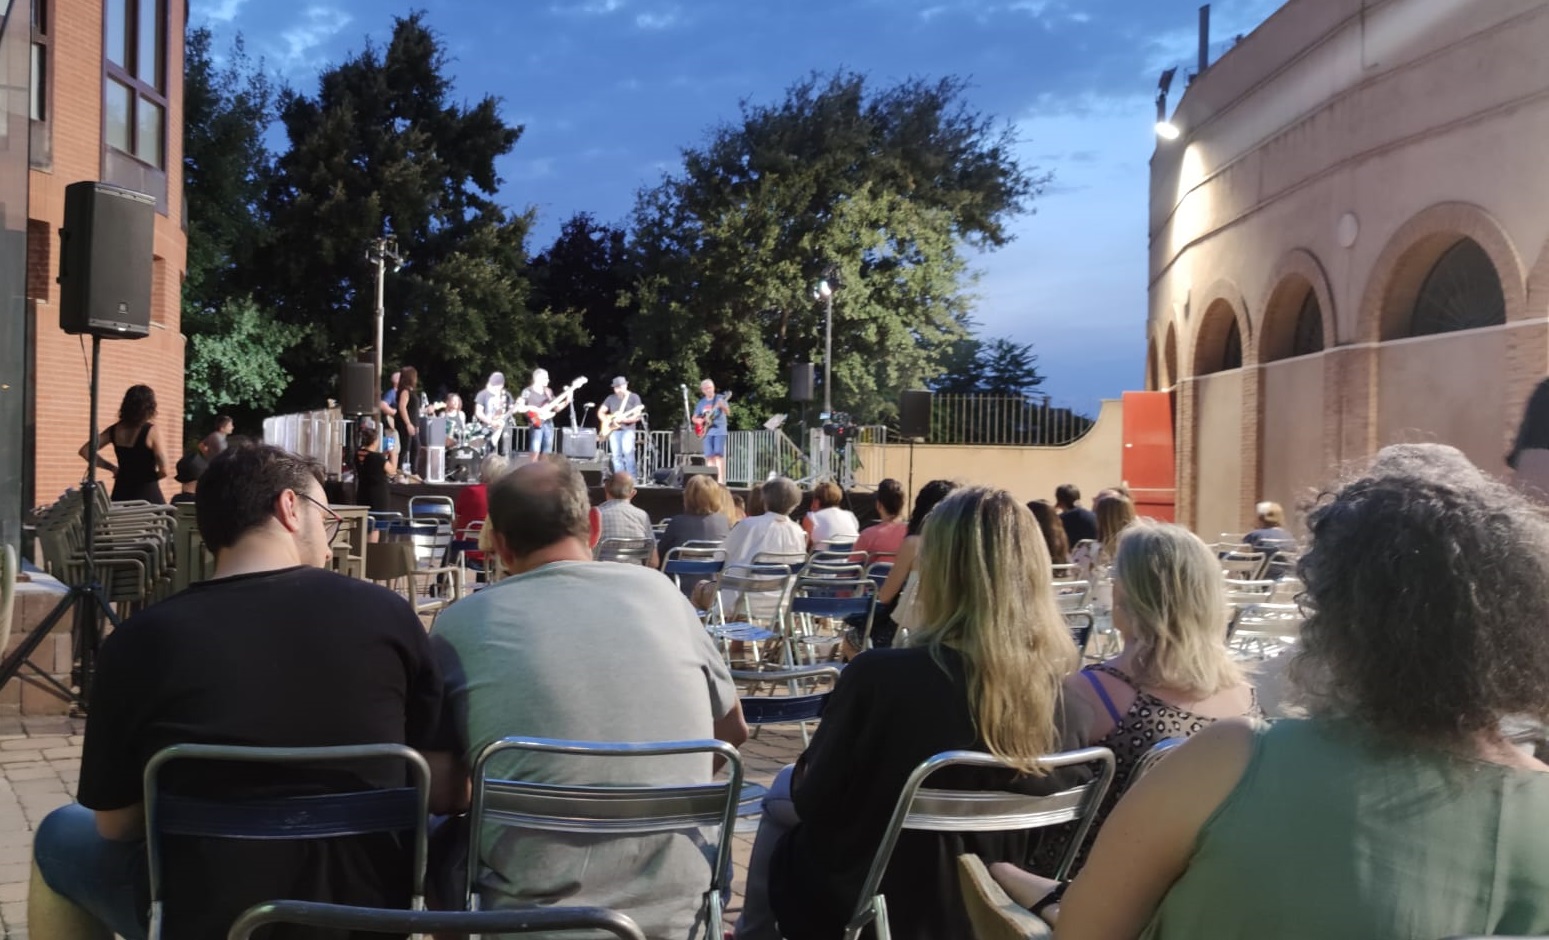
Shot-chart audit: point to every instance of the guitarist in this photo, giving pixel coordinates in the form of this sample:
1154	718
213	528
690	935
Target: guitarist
619	414
491	408
536	397
712	411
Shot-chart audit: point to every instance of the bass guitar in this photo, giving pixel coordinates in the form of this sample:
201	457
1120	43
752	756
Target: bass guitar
705	418
547	412
608	423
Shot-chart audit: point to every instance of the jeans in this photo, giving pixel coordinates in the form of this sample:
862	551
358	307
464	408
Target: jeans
621	451
540	440
107	879
779	817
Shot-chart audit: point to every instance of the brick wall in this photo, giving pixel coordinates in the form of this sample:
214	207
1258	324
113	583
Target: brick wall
60	374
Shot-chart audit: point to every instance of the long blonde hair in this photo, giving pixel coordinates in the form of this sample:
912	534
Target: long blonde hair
986	591
1174	599
1115	512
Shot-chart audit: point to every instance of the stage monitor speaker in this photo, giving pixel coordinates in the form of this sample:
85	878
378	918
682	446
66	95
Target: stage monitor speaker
914	414
105	261
432	432
689	442
580	444
801	381
690	470
357	388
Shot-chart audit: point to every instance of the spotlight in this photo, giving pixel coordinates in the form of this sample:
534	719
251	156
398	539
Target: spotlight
1165	128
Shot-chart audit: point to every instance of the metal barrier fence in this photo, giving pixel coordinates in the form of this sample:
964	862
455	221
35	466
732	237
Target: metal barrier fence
1003	419
318	435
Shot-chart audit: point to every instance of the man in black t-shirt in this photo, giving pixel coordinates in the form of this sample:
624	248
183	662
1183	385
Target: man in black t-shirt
619	414
272	652
540	436
1080	522
492	409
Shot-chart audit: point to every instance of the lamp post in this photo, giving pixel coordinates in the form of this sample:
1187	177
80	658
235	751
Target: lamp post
825	292
382	250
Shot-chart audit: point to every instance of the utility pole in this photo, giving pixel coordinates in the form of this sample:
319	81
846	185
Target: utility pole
825	291
381	251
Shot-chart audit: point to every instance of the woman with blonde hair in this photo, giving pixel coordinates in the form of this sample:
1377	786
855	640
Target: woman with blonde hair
703	519
1174	676
983	673
1115	513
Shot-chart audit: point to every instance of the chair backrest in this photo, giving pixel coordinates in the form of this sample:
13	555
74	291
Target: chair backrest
626	551
438	507
928	810
1067	572
825	557
832	571
1081	623
613	810
1152	757
372	920
1071	596
299	818
792	560
786	709
693	563
1245	566
878	571
839	598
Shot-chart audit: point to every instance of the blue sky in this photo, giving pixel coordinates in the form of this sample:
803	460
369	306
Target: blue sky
610	90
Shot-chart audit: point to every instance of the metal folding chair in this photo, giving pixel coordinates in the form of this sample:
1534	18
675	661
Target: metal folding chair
770	585
878	571
625	551
1081	623
462	923
622	811
1153	756
690	565
928	810
834	598
298	818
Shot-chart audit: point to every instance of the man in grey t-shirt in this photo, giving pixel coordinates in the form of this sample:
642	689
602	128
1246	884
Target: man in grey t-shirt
581	650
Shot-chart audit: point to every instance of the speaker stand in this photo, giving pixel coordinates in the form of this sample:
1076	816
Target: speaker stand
87	600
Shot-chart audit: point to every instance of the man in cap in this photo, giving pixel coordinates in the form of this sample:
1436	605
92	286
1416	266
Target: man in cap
619	414
491	407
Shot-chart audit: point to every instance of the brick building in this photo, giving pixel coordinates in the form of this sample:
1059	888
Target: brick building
104	103
1350	246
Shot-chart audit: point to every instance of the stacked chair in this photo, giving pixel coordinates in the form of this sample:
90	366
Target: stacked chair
133	547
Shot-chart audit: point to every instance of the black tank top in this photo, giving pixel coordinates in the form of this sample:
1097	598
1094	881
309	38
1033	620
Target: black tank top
136	478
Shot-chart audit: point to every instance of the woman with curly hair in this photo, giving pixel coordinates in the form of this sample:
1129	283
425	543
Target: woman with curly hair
1398	808
137	446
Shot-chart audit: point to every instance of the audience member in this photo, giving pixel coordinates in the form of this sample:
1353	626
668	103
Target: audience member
137	445
373	469
621	518
472	503
1080	523
896	608
886	536
1398	804
1053	531
189	469
738	511
700	520
216	440
1270	534
271	652
983	673
772	533
570	648
1114	515
826	521
755	505
1174	676
1529	456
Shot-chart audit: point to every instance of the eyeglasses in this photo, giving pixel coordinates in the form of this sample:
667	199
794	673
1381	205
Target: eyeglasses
331	520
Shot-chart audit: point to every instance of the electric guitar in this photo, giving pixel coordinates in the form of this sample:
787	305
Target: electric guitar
546	413
703	420
608	423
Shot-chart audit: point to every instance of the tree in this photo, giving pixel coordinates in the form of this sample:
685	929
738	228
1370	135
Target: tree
381	149
1009	368
233	361
877	191
586	274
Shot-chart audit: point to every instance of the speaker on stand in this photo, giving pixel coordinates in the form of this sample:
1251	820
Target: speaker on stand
914	423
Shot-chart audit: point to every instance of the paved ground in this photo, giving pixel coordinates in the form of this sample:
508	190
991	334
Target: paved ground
40	762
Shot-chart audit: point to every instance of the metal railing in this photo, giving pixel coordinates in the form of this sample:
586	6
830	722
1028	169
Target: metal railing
317	435
979	418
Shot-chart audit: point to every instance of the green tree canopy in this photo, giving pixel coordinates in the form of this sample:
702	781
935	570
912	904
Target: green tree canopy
587	274
876	190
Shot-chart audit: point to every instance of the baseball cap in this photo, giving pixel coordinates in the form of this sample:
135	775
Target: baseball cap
619	380
497	379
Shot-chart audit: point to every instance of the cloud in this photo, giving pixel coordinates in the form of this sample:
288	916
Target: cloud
588	8
654	21
298	44
535	169
224	11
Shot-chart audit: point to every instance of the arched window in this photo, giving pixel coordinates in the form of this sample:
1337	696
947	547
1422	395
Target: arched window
1231	356
1308	337
1461	292
1170	356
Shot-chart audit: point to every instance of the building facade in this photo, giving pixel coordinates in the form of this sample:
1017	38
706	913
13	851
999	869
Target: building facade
104	102
1349	246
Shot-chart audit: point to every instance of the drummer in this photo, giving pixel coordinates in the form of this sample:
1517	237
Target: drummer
456	421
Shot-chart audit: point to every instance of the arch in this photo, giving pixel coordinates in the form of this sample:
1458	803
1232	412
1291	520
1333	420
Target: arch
1298	310
1410	256
1223	335
1153	380
1170	357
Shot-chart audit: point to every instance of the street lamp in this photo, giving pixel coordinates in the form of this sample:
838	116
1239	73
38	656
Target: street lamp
381	251
825	292
1165	128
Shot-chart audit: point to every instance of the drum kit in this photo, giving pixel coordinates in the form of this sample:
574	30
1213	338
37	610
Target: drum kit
467	444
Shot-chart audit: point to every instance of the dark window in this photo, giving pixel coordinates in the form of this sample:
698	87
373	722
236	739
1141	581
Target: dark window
1308	338
1231	356
135	85
1462	292
38	110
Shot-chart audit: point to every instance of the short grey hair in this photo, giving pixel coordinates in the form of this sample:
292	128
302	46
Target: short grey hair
620	485
539	504
1427	594
781	495
493	467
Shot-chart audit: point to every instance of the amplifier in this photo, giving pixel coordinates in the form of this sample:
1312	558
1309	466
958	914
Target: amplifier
435	463
580	444
432	432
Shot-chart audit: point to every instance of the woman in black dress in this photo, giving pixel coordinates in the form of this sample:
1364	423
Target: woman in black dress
372	471
409	406
137	446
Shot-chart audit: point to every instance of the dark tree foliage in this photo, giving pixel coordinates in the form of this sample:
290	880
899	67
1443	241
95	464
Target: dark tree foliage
381	148
878	190
587	273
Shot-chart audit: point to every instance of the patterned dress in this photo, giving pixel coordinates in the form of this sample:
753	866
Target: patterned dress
1148	721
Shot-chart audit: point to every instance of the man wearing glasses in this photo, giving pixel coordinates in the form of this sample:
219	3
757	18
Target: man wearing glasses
273	651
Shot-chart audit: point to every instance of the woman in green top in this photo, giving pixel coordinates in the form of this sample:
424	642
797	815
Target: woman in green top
1398	809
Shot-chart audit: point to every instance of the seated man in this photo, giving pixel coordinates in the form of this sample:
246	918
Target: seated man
273	651
773	532
566	647
1270	534
622	519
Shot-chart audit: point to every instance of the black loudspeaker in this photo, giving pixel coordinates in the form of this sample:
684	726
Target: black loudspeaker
801	381
105	261
432	432
580	444
692	470
357	388
914	414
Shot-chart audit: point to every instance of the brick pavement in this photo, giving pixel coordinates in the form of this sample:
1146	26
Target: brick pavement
40	761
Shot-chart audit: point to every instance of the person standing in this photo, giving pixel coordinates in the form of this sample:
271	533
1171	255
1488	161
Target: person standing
712	409
215	441
538	395
1080	523
492	408
136	444
409	407
615	416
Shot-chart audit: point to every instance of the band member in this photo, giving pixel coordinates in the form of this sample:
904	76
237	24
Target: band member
411	403
619	414
456	421
712	408
540	439
491	408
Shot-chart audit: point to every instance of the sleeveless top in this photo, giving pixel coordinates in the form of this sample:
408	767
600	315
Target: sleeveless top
1335	833
136	477
1148	721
